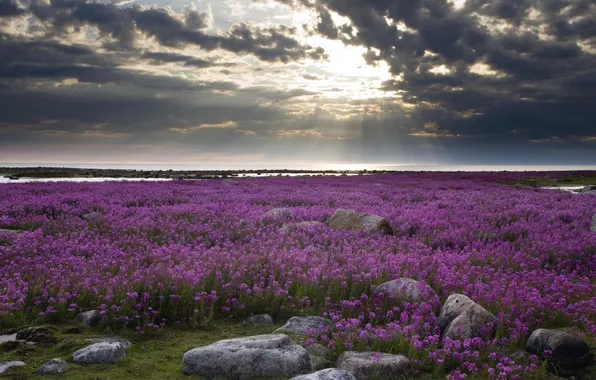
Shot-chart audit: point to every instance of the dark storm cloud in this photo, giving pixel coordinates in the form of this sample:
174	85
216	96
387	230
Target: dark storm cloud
9	8
541	54
171	29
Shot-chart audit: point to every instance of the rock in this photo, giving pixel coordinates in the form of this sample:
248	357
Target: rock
373	365
286	228
89	318
37	334
279	212
259	320
125	343
593	229
92	217
351	220
407	289
8	338
462	318
53	367
327	374
317	349
318	356
247	358
104	352
567	351
16	345
4	366
302	325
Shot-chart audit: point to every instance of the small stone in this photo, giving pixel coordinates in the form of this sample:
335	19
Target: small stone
259	320
327	374
4	366
373	365
89	318
104	352
302	325
410	290
566	350
53	367
37	334
247	358
125	343
462	318
351	220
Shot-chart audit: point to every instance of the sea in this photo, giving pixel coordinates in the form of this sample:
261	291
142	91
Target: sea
273	167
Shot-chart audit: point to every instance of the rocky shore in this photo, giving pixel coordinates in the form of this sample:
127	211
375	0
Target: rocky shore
50	172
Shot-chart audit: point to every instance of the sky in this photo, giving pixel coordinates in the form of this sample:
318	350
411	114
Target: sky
298	81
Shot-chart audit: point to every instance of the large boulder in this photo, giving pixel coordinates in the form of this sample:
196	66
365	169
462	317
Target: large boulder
89	318
104	352
4	366
302	325
373	365
125	343
462	318
566	351
37	334
327	374
247	358
351	220
410	290
259	320
53	367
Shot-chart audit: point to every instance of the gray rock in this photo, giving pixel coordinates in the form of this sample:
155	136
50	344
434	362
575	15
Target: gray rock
92	217
351	220
53	367
37	334
317	349
410	290
302	325
279	212
567	351
4	366
462	318
8	338
593	229
104	352
259	320
125	343
327	374
373	365
247	358
89	318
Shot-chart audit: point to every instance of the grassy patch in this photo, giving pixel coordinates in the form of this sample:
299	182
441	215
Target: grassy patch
563	179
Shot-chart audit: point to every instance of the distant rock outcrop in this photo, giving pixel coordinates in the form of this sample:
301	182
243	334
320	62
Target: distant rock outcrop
248	358
351	220
462	318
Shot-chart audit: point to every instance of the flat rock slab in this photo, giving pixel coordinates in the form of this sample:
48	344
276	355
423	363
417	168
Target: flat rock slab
351	220
5	366
566	350
461	318
410	290
259	320
327	374
259	356
373	365
104	352
53	367
125	343
302	325
89	318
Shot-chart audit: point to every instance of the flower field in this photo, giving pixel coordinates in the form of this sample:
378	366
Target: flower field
154	255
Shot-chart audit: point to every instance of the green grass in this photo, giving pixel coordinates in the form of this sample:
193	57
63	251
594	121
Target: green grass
563	179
